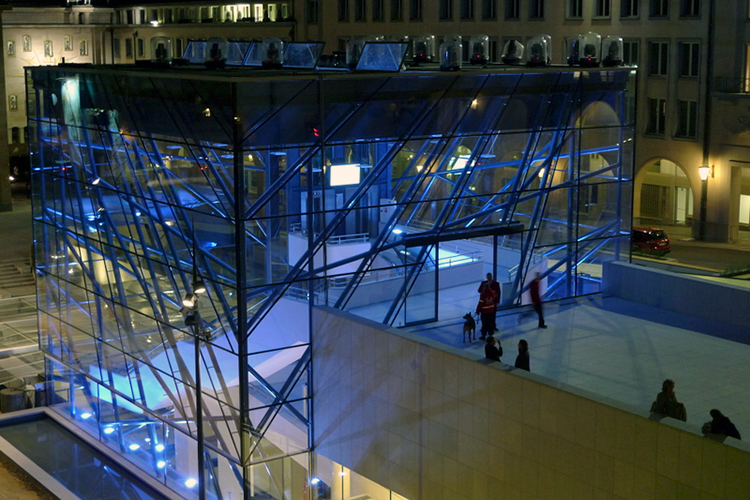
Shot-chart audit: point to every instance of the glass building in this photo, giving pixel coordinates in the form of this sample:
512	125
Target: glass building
189	218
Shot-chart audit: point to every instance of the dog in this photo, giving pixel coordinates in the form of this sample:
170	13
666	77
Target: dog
470	327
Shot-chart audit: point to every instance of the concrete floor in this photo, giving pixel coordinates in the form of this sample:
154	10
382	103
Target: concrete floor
623	351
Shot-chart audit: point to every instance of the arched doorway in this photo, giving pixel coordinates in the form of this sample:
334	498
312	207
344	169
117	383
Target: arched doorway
663	195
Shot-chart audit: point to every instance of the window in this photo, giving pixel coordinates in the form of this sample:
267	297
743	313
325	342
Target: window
116	47
512	9
26	43
15	135
602	8
11	48
397	10
168	19
154	15
81	18
630	50
489	9
141	47
494	54
446	10
657	113
467	9
343	10
312	11
629	8
659	8
537	9
690	8
688	116
130	17
689	59
13	102
360	10
118	17
142	16
378	10
84	47
658	53
575	8
128	48
67	43
179	44
415	10
48	51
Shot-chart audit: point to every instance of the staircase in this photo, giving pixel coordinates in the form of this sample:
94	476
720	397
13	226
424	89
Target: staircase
16	278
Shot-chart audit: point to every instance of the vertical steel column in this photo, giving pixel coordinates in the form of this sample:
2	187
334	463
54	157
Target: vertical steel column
199	395
240	263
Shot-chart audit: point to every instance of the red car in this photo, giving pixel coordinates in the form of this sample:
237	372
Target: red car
649	240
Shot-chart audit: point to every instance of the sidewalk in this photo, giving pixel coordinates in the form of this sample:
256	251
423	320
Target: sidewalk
16	234
684	236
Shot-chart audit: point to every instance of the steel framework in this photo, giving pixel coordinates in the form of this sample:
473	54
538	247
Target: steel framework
283	191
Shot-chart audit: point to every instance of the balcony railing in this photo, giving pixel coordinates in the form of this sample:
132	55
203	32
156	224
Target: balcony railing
732	85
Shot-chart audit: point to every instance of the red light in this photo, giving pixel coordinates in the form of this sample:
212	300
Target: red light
316	133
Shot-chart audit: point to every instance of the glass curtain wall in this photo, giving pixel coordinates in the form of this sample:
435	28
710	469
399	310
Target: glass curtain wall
379	194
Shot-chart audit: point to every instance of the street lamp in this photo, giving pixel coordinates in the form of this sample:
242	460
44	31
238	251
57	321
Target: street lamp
193	320
703	172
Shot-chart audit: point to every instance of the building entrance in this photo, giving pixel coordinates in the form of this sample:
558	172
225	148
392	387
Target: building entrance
663	195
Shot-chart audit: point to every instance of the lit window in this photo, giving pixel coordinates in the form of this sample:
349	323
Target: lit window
84	48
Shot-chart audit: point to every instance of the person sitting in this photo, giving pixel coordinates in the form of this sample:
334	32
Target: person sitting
522	360
666	402
720	425
492	351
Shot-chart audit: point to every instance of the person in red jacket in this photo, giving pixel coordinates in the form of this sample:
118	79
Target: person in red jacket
495	287
486	310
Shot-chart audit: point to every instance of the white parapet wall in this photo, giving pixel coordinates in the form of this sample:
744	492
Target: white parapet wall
717	301
432	422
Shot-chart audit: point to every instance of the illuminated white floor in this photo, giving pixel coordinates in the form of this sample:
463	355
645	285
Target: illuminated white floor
624	351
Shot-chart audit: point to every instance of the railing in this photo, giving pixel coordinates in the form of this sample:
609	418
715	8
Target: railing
398	271
732	85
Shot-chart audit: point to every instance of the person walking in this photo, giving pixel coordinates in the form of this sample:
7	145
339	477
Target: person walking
536	299
495	287
486	311
522	360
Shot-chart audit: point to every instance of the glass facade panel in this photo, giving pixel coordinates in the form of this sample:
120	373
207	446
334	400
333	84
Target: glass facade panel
186	226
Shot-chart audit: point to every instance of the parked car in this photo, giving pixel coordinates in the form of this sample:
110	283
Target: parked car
649	240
